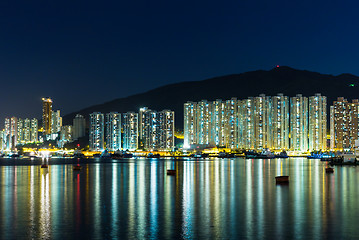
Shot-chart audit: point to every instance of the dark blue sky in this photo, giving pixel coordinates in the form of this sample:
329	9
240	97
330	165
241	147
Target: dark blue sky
82	53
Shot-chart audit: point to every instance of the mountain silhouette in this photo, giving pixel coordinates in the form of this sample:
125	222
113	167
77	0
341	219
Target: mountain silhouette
284	80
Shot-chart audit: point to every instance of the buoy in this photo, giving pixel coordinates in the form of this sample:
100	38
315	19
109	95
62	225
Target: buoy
171	172
329	170
44	166
282	179
77	167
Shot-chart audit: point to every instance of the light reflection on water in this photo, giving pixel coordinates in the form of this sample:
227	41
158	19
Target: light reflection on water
206	199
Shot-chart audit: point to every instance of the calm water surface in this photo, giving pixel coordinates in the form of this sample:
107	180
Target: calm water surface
230	199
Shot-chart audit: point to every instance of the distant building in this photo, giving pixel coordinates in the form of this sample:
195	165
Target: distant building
219	119
113	131
262	122
344	124
46	115
190	124
231	123
299	123
79	126
204	122
246	124
96	131
130	130
26	131
7	134
56	121
20	128
34	130
317	123
166	129
146	128
280	122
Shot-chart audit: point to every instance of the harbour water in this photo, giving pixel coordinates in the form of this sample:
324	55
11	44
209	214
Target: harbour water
211	198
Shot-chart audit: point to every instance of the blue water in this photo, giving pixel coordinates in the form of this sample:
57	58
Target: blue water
215	198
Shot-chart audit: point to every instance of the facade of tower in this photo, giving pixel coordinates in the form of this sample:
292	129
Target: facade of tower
231	123
147	128
317	123
96	131
204	122
246	126
20	130
26	131
79	126
13	133
280	122
262	122
56	121
113	131
34	130
166	129
46	115
219	122
7	134
130	130
343	124
190	124
299	123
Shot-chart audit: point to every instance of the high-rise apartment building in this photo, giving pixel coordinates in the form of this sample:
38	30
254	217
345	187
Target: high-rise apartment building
147	128
246	125
190	124
166	121
280	122
317	123
46	115
344	124
231	123
299	123
113	131
219	120
56	121
13	133
26	131
20	132
262	122
34	130
204	122
130	130
79	127
96	131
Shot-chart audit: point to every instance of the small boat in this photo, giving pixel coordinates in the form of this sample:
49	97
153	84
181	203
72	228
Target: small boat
152	155
282	154
77	168
200	155
171	172
282	179
329	170
44	166
265	154
127	155
226	155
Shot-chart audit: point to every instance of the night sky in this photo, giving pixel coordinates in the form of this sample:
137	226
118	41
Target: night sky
82	53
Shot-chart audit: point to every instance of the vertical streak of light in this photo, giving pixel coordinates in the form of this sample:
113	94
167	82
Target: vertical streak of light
114	201
141	197
249	203
131	199
187	205
97	203
154	201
